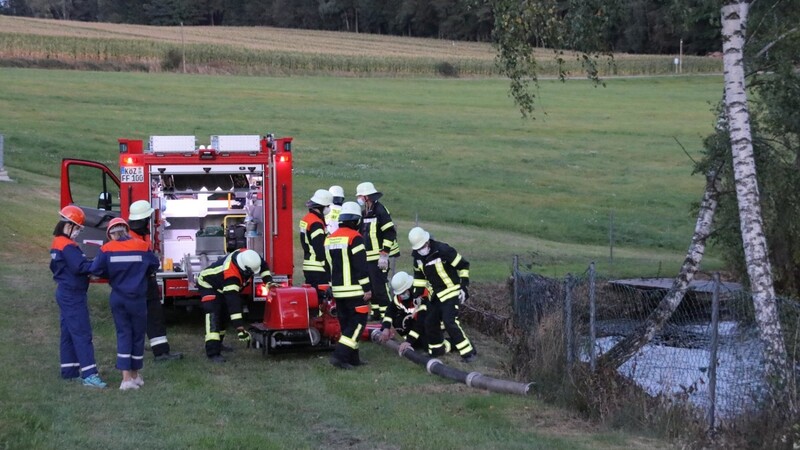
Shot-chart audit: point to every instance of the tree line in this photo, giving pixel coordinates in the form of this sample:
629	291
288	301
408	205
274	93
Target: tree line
636	26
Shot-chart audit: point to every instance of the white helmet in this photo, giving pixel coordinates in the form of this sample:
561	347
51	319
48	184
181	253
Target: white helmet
321	197
366	188
336	191
350	211
140	209
401	282
418	237
249	259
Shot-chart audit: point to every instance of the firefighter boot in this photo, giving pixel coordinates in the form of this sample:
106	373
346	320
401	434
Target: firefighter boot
338	363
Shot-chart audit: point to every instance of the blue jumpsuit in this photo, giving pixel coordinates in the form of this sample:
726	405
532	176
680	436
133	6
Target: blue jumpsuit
127	263
71	273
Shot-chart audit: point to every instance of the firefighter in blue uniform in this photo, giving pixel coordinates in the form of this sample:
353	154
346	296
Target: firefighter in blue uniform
127	263
71	273
139	221
350	284
221	285
447	272
406	314
312	239
379	235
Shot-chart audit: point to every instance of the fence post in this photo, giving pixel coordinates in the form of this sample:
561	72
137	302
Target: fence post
712	364
516	283
568	320
592	333
3	173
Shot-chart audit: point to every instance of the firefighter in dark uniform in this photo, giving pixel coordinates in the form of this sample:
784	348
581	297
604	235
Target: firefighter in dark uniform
71	273
139	221
406	314
447	272
220	289
312	239
350	284
379	235
332	216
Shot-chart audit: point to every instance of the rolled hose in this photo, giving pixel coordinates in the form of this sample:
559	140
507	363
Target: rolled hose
472	379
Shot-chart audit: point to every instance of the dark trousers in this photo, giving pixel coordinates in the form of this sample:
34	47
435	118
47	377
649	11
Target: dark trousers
77	350
156	327
352	314
447	312
130	320
217	319
380	294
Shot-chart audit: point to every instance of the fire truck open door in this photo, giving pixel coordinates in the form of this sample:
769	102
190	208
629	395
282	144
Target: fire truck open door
95	189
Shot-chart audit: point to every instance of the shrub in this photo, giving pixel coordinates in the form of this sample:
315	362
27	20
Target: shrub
446	69
172	60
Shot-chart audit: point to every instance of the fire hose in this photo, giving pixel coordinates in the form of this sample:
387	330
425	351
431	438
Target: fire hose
435	366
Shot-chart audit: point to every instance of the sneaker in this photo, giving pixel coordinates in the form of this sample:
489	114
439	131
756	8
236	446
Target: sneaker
217	359
139	381
169	356
94	381
128	385
336	362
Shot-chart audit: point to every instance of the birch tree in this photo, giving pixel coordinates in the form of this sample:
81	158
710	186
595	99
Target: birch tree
734	25
521	23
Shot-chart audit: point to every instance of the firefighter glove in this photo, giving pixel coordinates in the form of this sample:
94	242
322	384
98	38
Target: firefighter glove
463	296
243	335
383	261
403	347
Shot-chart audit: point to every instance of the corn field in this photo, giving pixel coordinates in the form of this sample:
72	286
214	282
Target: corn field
264	50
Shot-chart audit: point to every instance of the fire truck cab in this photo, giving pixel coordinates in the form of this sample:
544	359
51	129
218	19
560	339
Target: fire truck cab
209	199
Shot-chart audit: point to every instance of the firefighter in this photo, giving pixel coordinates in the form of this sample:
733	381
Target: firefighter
220	289
312	239
350	285
447	272
332	217
406	314
71	273
127	264
379	236
139	222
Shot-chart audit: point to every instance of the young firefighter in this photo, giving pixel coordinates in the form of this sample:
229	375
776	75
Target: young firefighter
127	263
139	221
312	239
442	267
379	235
220	289
350	285
406	314
71	273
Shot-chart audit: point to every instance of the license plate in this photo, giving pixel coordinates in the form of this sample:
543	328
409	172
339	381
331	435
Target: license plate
132	174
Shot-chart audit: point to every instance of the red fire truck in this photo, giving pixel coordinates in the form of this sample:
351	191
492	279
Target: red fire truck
234	192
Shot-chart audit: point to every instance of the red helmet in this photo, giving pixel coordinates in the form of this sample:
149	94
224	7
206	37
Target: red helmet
72	213
118	221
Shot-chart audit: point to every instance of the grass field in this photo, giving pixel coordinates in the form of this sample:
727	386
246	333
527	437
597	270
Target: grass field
452	153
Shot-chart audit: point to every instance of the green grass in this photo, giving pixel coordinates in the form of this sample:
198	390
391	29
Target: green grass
290	401
445	152
454	153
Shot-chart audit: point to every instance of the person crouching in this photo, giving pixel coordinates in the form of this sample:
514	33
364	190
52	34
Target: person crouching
127	263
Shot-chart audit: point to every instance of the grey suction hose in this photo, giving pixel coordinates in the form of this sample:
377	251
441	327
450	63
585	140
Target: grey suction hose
471	379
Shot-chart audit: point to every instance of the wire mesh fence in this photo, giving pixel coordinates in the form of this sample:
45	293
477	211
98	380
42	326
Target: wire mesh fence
707	356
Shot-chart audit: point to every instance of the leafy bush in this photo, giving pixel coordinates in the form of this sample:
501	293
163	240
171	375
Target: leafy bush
446	69
172	60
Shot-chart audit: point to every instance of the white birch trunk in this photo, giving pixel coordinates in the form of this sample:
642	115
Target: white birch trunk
626	348
759	270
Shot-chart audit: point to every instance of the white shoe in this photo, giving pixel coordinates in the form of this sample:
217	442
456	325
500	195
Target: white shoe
126	385
139	381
